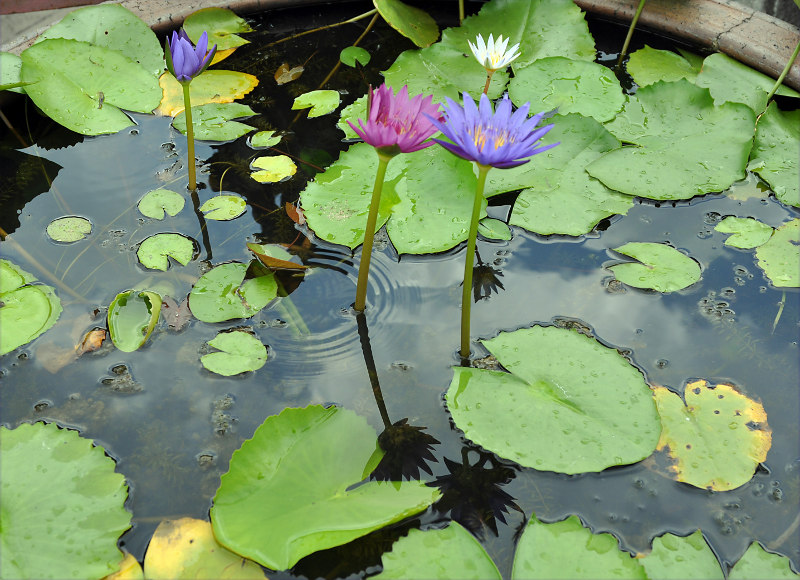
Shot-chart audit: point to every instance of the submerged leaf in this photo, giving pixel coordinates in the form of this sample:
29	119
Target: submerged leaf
239	352
290	490
284	74
274	257
717	437
661	267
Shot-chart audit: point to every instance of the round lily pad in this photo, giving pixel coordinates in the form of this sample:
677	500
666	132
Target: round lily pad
223	294
661	267
240	352
156	203
264	139
273	169
224	207
780	256
69	229
354	54
63	505
155	251
567	404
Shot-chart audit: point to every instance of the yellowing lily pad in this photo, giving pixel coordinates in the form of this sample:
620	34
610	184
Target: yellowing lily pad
273	169
747	232
716	438
321	102
223	207
213	86
239	352
129	569
186	548
155	204
780	256
661	267
69	229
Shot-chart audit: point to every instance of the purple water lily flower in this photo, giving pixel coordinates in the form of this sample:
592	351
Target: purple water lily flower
184	60
499	138
397	123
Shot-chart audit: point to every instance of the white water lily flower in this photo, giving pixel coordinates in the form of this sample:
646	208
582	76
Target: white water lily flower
493	54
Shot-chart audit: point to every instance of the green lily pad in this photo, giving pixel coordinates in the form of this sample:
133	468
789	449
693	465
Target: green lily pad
682	558
26	309
413	23
224	207
649	65
114	27
716	438
426	202
571	86
747	232
355	54
320	102
212	121
493	229
450	553
729	80
155	251
352	112
156	203
10	65
758	563
240	352
273	169
776	153
673	155
223	294
62	505
132	316
780	256
290	490
566	549
83	86
661	267
221	24
264	139
567	404
543	28
558	196
69	229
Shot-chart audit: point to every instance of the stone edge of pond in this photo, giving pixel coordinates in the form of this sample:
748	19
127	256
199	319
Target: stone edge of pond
754	38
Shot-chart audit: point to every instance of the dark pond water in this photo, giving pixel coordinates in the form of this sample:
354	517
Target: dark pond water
172	426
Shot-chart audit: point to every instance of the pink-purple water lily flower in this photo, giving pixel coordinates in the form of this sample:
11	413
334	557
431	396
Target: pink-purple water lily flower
501	138
397	123
184	60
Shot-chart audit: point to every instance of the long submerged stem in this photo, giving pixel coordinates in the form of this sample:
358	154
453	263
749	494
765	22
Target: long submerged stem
630	32
466	294
369	234
785	71
187	103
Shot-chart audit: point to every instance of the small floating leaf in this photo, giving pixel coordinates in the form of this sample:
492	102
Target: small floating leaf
314	456
452	552
779	256
224	207
681	557
155	203
186	548
69	229
264	139
413	23
155	251
354	54
273	169
221	25
284	74
212	121
321	102
661	267
212	86
566	549
223	294
717	437
132	316
567	404
747	232
493	229
240	352
56	483
274	257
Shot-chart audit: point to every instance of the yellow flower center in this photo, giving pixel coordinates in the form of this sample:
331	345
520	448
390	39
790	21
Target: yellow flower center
497	139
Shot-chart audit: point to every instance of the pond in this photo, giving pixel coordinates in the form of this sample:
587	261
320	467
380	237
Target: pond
172	426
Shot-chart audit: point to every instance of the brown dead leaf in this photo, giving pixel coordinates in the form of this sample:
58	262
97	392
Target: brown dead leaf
295	213
272	262
176	315
286	75
92	340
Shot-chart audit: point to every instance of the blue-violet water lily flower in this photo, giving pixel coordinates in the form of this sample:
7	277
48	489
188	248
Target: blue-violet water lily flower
493	54
502	138
184	60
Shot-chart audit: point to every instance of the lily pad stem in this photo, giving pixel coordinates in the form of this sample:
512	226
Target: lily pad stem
630	32
187	103
466	294
489	74
785	71
369	234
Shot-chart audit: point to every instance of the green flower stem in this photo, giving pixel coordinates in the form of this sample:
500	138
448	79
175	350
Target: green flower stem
466	294
187	103
784	72
630	32
369	234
